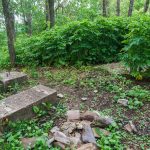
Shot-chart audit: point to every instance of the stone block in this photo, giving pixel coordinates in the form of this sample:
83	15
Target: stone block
10	78
20	106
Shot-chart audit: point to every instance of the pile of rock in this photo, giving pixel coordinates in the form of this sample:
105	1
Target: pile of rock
79	132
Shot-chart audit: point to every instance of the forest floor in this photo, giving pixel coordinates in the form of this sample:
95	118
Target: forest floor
90	88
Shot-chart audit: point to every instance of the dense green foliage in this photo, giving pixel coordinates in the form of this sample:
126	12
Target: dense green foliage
76	43
89	42
137	49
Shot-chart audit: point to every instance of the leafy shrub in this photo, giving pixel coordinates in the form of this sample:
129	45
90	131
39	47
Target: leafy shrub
137	49
4	58
111	141
76	43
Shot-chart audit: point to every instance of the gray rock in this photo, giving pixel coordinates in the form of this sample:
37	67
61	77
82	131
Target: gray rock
68	127
104	121
20	106
79	125
73	115
87	134
123	102
10	78
95	91
50	141
55	129
61	137
75	141
84	98
89	116
130	127
60	95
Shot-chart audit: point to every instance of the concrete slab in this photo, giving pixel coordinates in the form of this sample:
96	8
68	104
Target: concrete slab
20	106
10	78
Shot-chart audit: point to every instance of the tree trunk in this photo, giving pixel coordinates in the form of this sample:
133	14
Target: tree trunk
29	24
146	6
10	30
131	8
104	8
52	12
118	8
29	19
13	25
47	13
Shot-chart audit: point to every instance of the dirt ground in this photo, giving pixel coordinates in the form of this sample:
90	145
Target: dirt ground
99	87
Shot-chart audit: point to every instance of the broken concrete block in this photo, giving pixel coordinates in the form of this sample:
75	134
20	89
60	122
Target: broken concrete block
55	129
90	116
104	121
130	127
87	134
10	78
61	137
68	127
73	115
20	106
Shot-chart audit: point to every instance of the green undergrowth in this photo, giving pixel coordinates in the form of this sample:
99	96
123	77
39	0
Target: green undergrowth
85	79
78	43
11	139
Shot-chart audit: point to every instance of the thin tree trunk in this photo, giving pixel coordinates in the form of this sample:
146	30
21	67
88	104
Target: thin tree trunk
10	30
13	22
131	8
118	8
146	6
104	8
29	19
29	24
47	13
52	13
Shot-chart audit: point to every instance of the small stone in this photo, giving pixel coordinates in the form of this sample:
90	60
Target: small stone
75	141
78	135
60	95
68	127
50	141
73	115
61	137
28	142
123	102
90	116
84	98
55	129
87	134
59	145
89	146
95	91
133	126
79	125
104	121
130	127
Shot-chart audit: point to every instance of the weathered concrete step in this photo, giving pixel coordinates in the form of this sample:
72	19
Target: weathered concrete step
9	78
20	106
